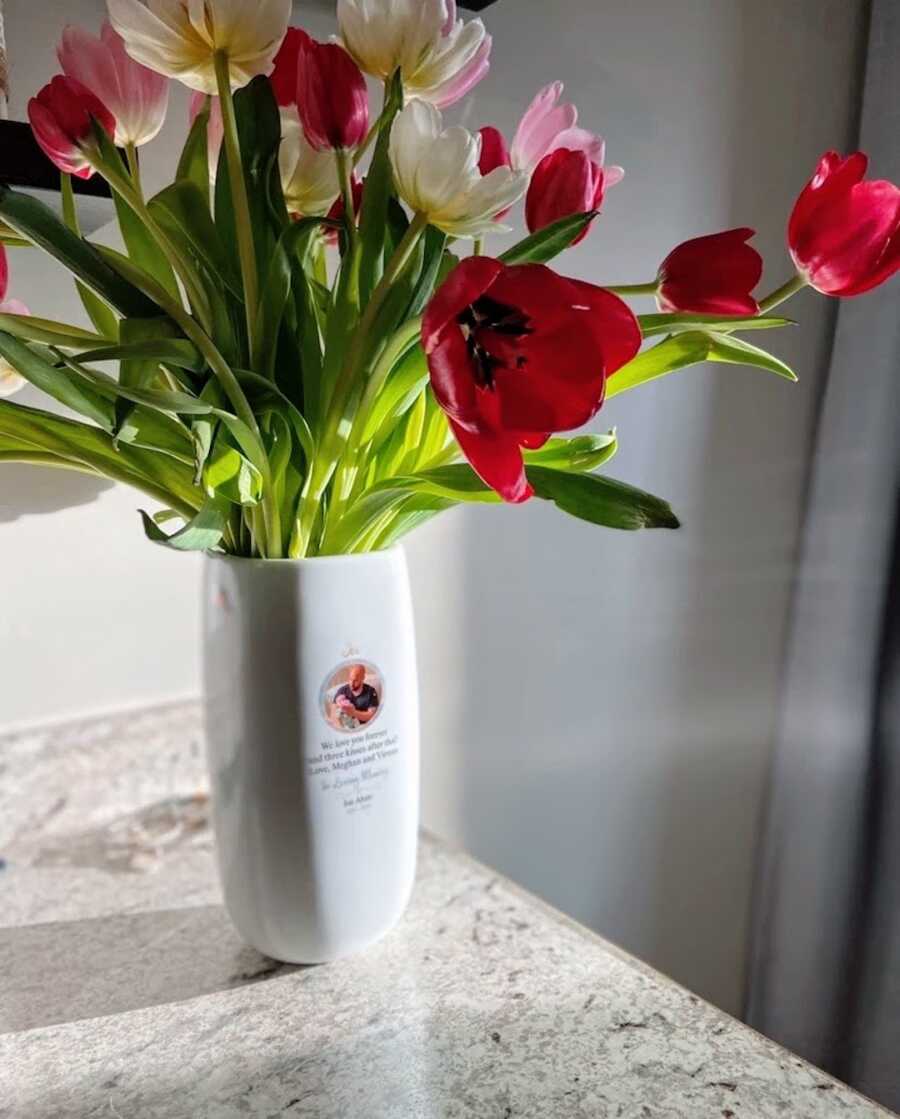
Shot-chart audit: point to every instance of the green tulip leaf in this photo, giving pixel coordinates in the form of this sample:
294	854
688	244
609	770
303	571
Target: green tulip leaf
202	533
230	475
691	348
580	454
193	165
71	391
399	392
32	329
673	323
182	210
548	242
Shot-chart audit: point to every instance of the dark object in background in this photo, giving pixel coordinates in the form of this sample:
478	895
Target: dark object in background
24	167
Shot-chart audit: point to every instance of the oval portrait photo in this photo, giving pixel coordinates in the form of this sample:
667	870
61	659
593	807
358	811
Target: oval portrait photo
352	696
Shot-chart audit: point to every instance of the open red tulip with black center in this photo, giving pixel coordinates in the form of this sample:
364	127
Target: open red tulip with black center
712	275
844	231
516	353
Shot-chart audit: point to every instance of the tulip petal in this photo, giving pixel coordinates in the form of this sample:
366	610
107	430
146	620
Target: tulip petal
469	280
440	57
494	152
451	380
580	140
564	183
612	320
497	459
833	175
436	173
308	177
285	66
457	86
178	38
135	95
542	121
711	275
844	231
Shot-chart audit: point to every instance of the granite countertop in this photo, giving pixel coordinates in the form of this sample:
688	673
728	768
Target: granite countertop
126	993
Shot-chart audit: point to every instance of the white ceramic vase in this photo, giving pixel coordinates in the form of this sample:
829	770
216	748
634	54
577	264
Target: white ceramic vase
313	744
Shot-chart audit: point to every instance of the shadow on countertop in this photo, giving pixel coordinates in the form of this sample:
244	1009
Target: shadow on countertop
64	971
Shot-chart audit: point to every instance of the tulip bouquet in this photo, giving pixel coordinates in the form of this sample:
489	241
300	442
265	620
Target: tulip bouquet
308	343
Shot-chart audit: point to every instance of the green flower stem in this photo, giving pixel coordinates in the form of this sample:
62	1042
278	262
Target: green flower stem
240	201
780	295
633	289
336	426
345	178
376	127
134	166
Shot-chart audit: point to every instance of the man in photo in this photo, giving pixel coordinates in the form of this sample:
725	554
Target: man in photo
355	702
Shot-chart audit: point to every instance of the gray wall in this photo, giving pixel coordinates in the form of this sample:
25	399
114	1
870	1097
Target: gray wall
598	708
620	690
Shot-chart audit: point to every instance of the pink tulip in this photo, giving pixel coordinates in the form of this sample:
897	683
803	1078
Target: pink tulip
546	126
61	116
136	97
469	75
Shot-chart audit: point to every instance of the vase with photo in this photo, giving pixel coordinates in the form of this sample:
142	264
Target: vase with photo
313	743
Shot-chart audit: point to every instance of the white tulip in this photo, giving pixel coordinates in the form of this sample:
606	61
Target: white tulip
308	177
436	174
440	57
178	38
10	380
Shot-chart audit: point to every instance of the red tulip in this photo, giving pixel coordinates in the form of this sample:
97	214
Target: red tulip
516	353
284	74
4	273
494	152
331	97
60	117
844	233
564	183
711	275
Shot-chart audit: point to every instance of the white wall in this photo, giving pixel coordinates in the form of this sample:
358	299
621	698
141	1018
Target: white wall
598	707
